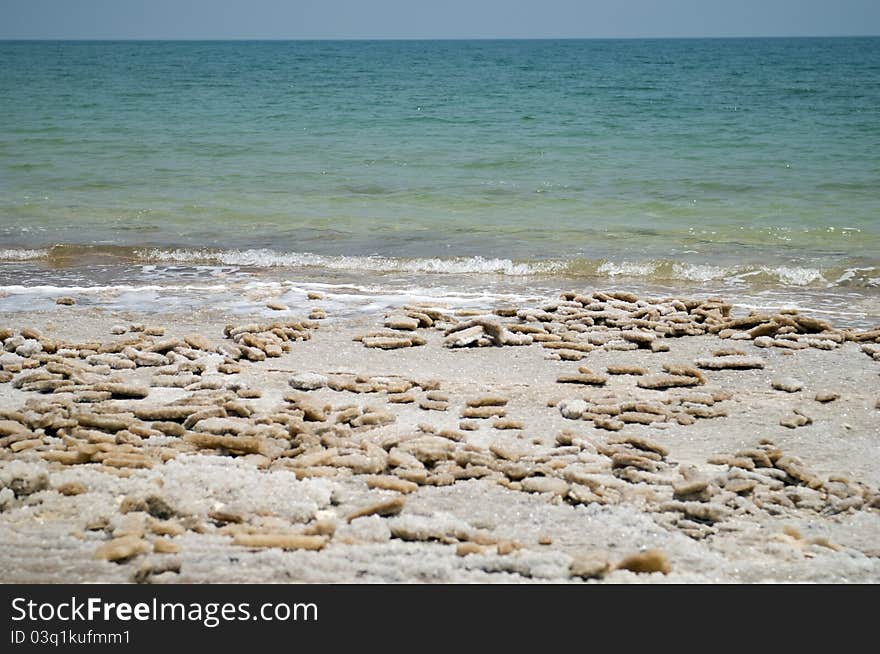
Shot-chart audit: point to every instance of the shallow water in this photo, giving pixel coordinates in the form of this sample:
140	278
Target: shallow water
746	167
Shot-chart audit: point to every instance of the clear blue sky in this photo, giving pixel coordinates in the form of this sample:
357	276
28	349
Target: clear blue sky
381	19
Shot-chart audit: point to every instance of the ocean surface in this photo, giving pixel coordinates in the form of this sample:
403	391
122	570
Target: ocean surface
748	168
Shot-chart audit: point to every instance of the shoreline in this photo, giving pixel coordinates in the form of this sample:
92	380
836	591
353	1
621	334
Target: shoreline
568	474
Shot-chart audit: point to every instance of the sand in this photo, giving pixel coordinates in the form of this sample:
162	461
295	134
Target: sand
312	484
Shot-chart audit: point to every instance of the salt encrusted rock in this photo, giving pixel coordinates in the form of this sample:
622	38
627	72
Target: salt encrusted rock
389	507
586	378
590	565
433	405
552	485
684	371
827	396
469	425
275	305
787	384
645	562
308	381
483	412
730	363
487	400
508	423
401	322
122	390
65	300
118	329
625	369
389	342
662	382
642	339
281	541
573	409
795	420
123	548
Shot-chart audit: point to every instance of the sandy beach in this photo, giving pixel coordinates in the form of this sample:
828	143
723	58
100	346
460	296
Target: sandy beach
593	437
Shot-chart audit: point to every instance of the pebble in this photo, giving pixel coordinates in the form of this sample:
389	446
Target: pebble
827	396
508	423
276	305
590	565
787	384
646	562
308	381
65	300
386	508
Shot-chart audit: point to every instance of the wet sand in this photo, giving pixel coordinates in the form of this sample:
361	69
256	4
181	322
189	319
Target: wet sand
502	446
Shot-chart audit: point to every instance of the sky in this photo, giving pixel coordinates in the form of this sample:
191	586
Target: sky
432	19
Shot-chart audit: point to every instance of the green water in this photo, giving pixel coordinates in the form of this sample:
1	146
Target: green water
699	160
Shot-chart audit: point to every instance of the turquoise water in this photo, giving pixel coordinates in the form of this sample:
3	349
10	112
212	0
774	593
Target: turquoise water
752	162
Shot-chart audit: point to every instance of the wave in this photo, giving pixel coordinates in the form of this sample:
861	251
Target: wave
852	275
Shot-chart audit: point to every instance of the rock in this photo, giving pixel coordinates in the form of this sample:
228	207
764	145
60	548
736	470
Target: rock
71	488
487	400
308	381
281	541
483	412
827	396
645	562
432	405
123	548
545	485
118	329
386	342
29	348
787	384
122	390
662	382
795	420
465	337
508	423
401	322
623	369
390	482
65	300
275	305
589	379
590	565
684	371
386	508
730	363
573	409
197	342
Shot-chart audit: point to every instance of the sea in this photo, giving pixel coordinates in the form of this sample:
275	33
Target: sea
181	174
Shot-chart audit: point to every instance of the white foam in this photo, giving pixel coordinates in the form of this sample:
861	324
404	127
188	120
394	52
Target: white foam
628	268
698	273
268	258
22	254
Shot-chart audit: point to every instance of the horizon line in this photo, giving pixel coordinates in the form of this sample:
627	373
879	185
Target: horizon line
452	38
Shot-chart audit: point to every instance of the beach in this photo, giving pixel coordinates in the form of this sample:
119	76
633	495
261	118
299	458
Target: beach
587	437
